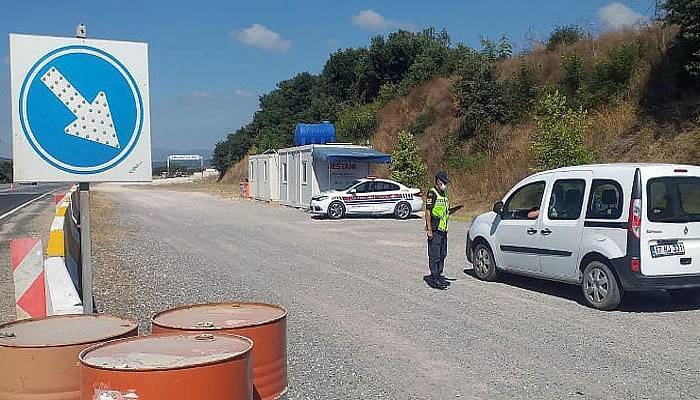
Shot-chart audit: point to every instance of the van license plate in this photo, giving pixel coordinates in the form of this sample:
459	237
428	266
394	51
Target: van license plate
665	250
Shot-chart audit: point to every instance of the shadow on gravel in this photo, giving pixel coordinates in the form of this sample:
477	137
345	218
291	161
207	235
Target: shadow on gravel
636	302
360	217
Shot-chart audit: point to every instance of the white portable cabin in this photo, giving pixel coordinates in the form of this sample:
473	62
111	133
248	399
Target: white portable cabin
263	176
306	171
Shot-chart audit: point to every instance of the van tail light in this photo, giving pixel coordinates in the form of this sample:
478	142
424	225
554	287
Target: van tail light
418	194
635	219
635	265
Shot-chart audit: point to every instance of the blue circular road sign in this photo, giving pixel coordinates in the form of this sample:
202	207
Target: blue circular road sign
81	110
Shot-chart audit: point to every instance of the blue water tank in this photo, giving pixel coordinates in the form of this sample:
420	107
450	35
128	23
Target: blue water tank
314	133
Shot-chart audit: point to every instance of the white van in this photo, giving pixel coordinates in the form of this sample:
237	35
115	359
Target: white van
608	228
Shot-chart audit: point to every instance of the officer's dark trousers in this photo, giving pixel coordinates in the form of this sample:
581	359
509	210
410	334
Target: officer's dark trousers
437	252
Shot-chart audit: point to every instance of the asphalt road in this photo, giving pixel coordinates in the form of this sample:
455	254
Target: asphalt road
363	324
20	194
34	220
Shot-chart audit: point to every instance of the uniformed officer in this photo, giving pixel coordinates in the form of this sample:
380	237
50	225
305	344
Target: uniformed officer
437	216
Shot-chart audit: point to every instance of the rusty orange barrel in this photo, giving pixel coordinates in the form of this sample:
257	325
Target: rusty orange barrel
39	357
265	324
182	366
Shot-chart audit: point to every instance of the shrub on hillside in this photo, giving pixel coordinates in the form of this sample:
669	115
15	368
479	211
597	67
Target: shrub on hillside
5	171
406	166
423	121
686	14
565	35
574	81
521	91
357	123
611	76
456	160
558	141
482	98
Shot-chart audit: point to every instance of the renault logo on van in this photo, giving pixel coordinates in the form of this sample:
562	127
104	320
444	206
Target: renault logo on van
685	231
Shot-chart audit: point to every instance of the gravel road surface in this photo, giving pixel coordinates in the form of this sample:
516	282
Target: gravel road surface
364	325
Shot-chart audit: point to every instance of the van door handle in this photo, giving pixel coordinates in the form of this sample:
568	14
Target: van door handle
546	232
531	231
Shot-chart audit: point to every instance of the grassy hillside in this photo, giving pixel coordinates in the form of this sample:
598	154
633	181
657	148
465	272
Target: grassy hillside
477	113
654	119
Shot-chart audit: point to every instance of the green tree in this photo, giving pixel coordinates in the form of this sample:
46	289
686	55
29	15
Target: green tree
5	171
686	14
357	123
565	35
521	91
406	166
505	48
482	98
612	75
558	141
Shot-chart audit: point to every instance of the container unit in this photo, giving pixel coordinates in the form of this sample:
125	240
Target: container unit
306	171
181	366
39	357
263	176
264	324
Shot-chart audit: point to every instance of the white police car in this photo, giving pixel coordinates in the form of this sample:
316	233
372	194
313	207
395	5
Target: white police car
368	196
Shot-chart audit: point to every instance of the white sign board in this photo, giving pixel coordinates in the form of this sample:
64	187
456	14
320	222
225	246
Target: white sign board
184	157
80	110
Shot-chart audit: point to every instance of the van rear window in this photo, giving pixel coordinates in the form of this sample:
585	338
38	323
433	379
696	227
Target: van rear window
674	199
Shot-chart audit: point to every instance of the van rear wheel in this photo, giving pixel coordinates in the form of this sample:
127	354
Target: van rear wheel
599	286
684	296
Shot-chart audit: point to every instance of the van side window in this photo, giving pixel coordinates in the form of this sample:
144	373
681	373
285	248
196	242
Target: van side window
526	199
605	201
567	200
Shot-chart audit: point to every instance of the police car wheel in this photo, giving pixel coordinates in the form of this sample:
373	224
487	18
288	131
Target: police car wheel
336	210
402	210
484	263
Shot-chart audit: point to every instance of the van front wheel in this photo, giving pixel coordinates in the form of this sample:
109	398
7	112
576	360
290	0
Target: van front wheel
599	286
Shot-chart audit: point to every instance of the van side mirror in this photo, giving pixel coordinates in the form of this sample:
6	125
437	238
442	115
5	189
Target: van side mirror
498	208
353	191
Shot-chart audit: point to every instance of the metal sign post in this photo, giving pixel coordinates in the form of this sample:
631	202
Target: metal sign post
85	234
86	248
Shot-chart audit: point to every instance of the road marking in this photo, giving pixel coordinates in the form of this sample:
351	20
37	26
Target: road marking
93	121
21	206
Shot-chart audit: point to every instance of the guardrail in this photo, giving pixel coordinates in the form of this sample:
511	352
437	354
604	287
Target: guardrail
62	266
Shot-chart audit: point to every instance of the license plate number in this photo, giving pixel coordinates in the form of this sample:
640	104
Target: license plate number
666	250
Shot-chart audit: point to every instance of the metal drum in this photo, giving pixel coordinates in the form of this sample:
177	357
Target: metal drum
182	366
265	324
39	357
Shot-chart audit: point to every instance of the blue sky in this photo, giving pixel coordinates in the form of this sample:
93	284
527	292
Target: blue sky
210	60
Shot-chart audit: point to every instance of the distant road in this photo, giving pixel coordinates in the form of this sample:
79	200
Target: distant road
10	199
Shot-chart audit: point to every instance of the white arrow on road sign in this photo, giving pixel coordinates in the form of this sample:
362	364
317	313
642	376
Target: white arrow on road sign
93	121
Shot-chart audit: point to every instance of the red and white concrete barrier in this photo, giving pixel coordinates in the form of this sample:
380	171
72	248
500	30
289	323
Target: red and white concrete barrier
28	269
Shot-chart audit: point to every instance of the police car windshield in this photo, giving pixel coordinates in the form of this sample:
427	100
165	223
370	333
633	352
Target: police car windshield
348	187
